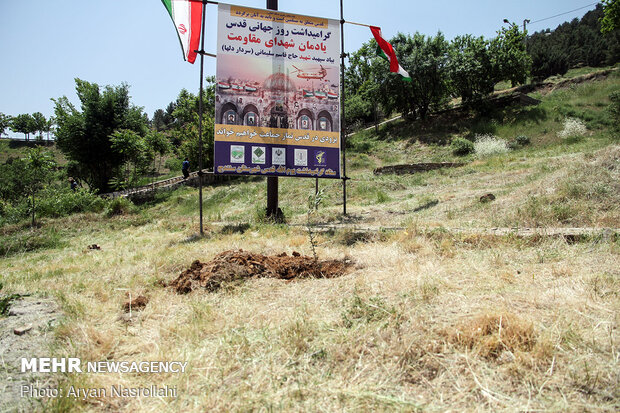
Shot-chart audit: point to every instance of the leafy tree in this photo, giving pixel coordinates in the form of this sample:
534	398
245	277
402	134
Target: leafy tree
363	81
38	165
425	59
85	136
5	123
611	19
510	58
158	144
39	124
578	42
184	131
133	151
49	126
23	123
470	68
12	186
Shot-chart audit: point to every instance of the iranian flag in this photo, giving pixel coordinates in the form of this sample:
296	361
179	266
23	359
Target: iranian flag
386	51
187	18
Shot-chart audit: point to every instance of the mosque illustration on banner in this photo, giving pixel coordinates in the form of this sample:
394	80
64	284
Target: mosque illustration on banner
304	99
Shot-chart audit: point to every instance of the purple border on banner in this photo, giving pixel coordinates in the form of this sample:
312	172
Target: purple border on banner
312	162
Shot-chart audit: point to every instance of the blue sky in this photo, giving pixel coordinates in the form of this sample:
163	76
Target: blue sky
46	44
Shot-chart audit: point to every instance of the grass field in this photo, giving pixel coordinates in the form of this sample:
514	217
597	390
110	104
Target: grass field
428	319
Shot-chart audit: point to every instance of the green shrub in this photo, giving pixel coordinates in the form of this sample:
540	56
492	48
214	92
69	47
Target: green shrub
522	140
461	146
119	206
62	202
614	109
173	164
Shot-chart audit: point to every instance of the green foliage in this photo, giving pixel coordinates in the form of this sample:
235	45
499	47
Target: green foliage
12	183
174	164
470	68
614	109
461	146
573	44
546	61
522	140
39	123
86	136
59	202
425	59
5	122
119	206
25	241
611	18
39	164
23	123
510	58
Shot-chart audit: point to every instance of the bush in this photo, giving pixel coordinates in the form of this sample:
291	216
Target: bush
573	128
173	164
614	109
62	202
487	145
522	140
461	146
119	206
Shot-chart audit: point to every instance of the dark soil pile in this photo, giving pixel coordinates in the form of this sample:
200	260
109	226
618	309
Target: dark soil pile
138	303
238	264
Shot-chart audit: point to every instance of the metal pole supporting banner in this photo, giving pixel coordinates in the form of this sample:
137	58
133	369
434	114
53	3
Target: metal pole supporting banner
202	63
343	132
272	181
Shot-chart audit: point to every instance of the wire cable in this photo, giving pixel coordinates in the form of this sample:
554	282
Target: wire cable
561	14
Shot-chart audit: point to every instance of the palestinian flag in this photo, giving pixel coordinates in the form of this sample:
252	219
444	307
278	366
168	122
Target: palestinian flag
187	18
386	51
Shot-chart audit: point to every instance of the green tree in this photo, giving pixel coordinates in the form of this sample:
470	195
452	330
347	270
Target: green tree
158	144
510	58
39	124
184	131
49	126
38	167
85	136
611	18
425	58
133	151
5	123
23	123
362	85
470	68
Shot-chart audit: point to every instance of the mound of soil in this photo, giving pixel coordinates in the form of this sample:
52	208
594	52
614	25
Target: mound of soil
238	264
138	303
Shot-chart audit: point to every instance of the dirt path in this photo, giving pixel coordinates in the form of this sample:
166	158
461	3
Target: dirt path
34	319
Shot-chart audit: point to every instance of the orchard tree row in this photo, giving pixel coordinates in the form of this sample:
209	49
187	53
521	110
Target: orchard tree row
469	67
26	123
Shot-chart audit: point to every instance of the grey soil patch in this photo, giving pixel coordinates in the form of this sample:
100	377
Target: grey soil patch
42	315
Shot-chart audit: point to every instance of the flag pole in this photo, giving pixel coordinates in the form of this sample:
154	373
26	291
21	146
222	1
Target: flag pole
202	63
343	134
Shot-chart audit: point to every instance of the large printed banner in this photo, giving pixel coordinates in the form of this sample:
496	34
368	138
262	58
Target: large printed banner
277	106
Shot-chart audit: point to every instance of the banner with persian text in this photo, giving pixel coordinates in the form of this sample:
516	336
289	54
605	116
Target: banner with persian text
277	104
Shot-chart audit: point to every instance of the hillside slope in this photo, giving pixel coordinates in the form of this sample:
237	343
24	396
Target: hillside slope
425	319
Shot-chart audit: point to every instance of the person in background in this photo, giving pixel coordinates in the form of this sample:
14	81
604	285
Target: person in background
185	168
74	184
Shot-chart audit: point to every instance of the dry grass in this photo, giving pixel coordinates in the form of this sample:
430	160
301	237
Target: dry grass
428	319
